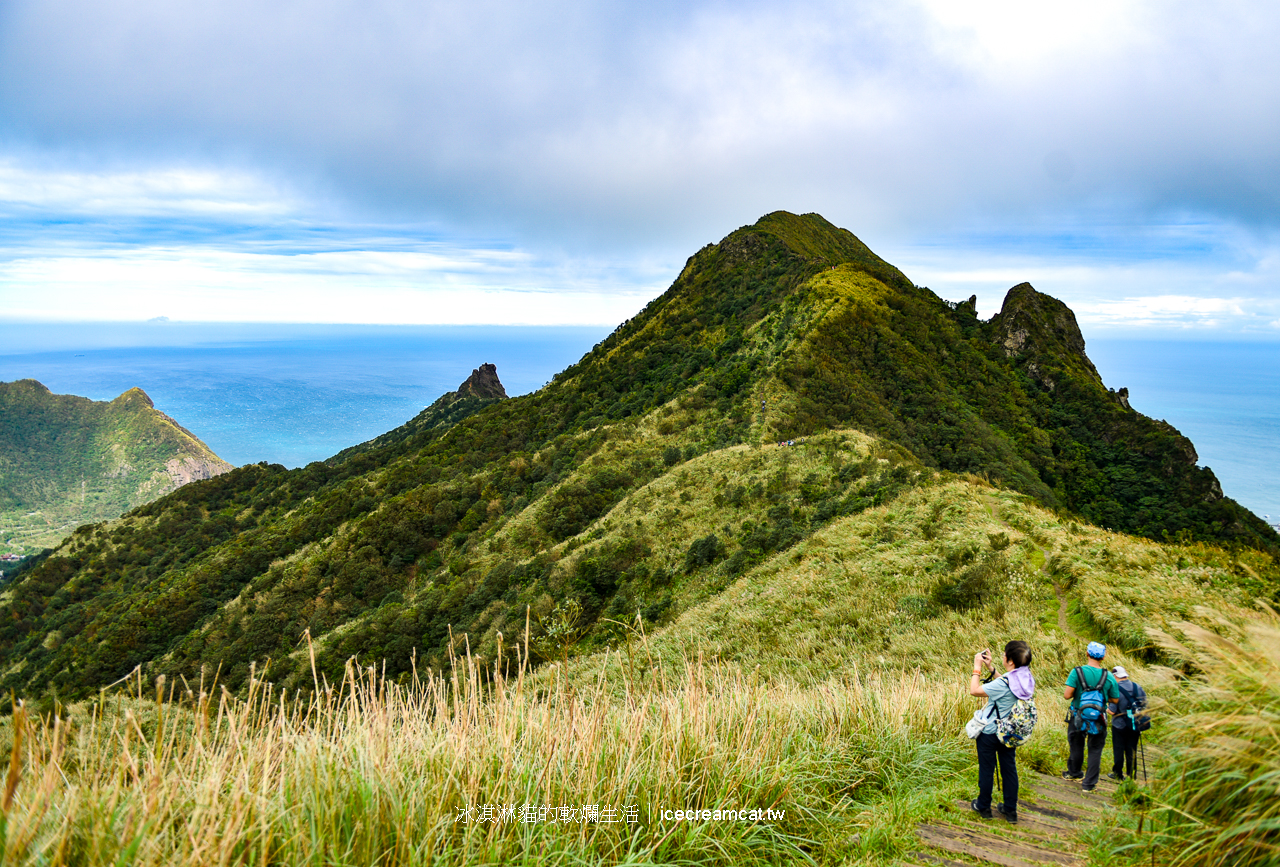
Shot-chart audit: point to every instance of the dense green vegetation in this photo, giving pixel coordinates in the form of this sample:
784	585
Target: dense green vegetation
67	460
826	682
645	479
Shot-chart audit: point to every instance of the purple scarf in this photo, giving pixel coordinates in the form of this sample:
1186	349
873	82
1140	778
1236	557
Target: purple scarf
1021	682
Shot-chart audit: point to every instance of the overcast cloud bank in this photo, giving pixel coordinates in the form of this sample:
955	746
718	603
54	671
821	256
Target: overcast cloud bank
396	161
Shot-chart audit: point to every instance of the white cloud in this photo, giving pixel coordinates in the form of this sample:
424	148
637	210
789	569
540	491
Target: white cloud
611	120
1177	310
439	286
563	134
186	192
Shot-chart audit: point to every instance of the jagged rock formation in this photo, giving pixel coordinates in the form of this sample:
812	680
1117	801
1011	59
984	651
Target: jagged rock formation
477	391
1041	333
483	383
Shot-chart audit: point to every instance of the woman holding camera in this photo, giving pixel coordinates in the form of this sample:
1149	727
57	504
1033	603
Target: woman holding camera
1001	694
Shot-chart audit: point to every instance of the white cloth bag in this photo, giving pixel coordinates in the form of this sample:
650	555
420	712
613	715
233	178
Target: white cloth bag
981	717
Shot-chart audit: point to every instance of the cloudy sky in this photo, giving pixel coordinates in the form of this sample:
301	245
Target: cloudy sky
553	161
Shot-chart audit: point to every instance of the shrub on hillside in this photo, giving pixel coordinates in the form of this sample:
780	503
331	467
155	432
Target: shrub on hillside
576	504
975	586
703	552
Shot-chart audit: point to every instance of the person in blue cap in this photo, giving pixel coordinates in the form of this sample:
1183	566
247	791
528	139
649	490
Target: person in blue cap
1082	683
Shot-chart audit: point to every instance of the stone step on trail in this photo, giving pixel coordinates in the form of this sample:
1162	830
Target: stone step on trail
1003	834
1063	814
1028	821
991	848
1047	788
1000	840
1053	810
1073	794
932	859
1079	812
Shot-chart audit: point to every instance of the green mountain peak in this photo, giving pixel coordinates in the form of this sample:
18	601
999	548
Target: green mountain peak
134	397
648	477
67	460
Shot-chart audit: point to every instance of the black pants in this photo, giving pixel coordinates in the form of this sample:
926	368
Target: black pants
1077	740
1124	749
989	751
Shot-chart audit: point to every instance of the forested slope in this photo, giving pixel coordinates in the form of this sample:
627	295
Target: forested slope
644	478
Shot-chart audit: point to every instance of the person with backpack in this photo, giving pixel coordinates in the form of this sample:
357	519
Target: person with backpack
1126	725
1093	693
1003	724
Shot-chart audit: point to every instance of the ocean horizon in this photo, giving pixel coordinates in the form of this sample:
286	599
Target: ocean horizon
293	394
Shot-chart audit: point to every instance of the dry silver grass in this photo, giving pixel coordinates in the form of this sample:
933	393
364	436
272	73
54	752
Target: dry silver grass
1220	788
370	772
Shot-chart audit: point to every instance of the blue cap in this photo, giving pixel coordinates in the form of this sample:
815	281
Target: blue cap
1096	650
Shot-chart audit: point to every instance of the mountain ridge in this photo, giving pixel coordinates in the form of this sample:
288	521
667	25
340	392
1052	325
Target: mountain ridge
74	460
477	391
643	478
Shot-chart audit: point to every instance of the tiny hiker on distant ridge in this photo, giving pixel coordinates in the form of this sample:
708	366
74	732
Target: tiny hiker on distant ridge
1093	693
1001	725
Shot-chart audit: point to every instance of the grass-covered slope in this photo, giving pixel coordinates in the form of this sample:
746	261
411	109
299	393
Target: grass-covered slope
645	478
825	683
67	460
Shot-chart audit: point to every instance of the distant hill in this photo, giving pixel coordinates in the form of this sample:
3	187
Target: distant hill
67	460
644	480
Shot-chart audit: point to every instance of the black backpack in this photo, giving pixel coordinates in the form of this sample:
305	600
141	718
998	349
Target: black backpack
1133	704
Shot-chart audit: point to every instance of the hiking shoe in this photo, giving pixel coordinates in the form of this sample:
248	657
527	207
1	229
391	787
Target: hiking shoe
1009	815
973	805
1067	775
1114	776
1087	789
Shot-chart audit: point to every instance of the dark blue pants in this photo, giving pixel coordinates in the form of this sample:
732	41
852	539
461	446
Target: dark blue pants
990	750
1124	749
1085	751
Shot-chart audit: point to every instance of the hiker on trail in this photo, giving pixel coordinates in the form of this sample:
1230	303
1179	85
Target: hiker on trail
1001	694
1093	693
1124	731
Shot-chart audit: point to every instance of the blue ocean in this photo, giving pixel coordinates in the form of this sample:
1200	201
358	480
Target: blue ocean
292	394
1223	396
289	394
